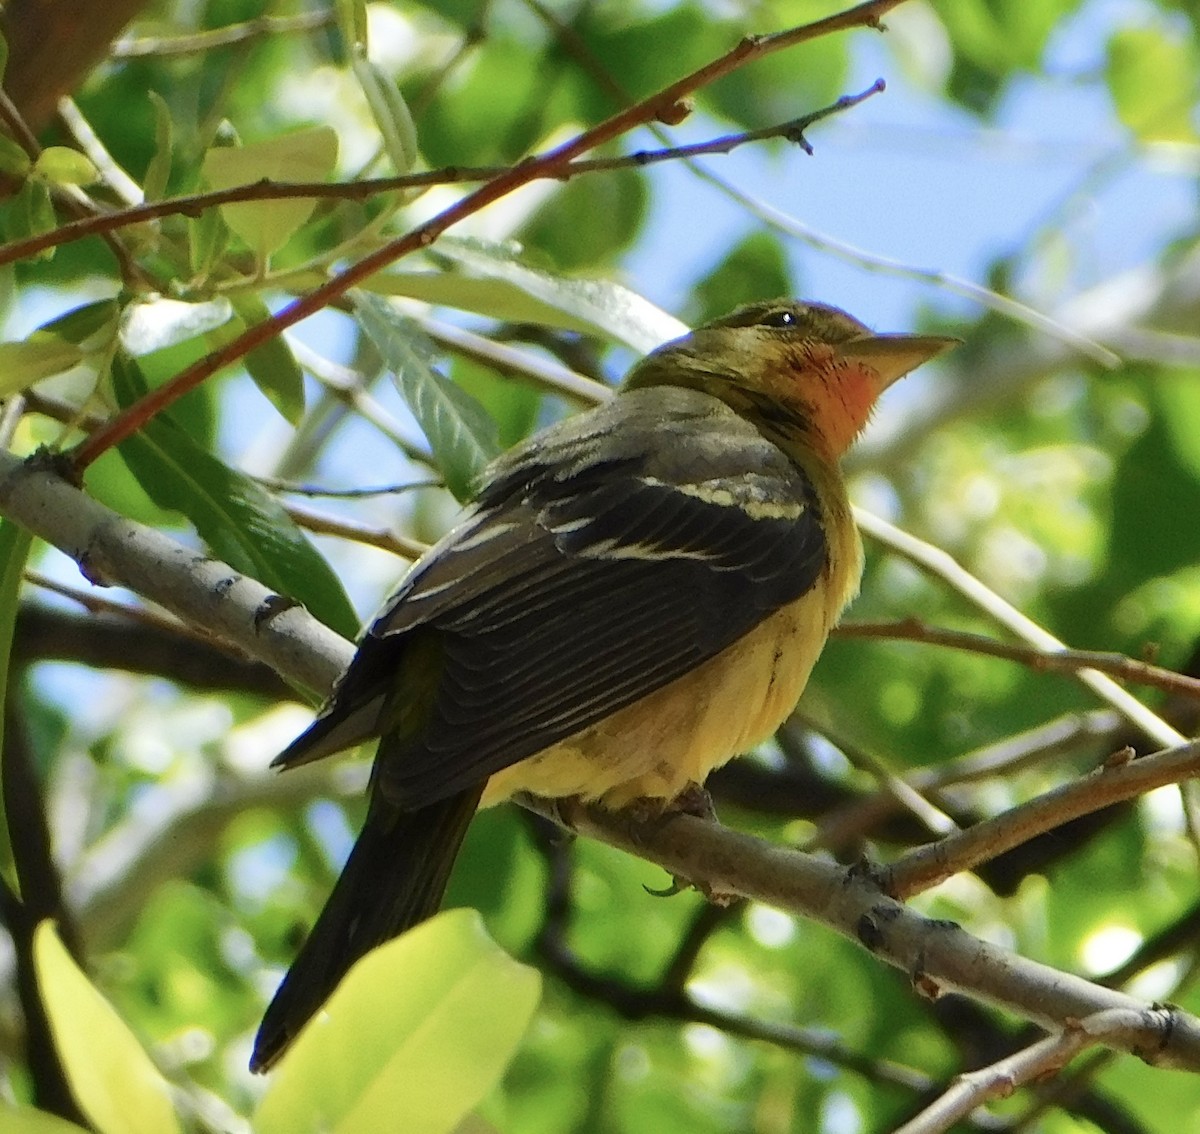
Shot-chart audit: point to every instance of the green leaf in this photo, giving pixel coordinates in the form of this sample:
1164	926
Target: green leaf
755	265
272	366
564	227
60	165
208	234
490	279
111	1076
460	433
15	543
352	23
57	346
13	158
90	325
38	357
31	213
239	520
1152	80
26	1120
154	184
157	323
416	1035
304	155
390	112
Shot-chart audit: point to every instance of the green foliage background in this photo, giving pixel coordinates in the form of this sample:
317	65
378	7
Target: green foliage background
1072	489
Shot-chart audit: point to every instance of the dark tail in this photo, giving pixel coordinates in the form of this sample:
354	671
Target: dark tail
394	878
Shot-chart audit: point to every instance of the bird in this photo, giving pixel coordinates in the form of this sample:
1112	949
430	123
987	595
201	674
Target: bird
635	595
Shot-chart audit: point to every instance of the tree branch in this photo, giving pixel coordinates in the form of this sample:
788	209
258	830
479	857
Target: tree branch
1114	1027
937	956
1114	781
1060	661
665	105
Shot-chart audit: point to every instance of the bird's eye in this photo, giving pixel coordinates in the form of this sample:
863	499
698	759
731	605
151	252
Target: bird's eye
779	319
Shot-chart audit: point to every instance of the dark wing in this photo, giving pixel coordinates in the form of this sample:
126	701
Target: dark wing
612	555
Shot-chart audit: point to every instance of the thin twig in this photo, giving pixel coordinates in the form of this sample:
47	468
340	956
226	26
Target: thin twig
1118	1026
1118	779
939	563
665	105
382	538
1061	661
872	262
194	204
794	229
89	143
277	484
547	375
199	42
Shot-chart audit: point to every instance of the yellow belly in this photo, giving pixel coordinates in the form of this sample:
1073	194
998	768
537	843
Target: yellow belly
674	737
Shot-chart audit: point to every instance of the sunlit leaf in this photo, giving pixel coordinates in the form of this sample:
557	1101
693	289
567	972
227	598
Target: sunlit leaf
304	155
155	323
38	357
460	433
62	166
26	1120
492	280
111	1076
1152	79
415	1036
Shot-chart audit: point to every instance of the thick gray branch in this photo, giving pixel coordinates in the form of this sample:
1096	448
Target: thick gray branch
203	592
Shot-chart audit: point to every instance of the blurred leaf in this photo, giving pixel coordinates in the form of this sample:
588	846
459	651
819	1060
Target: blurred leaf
85	324
156	323
511	404
30	213
113	1080
492	280
754	268
460	433
1152	79
646	51
38	357
62	166
13	158
994	38
238	519
207	237
15	543
414	1037
352	22
783	86
391	114
492	112
158	172
272	366
303	155
564	226
26	1120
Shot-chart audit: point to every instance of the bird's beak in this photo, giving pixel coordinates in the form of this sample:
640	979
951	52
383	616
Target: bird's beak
892	356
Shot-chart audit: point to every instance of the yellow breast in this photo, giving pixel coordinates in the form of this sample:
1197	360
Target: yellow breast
675	736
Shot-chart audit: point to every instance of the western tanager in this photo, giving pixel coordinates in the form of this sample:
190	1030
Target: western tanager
637	594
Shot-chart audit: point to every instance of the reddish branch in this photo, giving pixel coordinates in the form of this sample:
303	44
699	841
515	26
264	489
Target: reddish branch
666	106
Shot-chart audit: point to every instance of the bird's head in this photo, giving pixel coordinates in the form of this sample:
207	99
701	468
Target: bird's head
806	374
